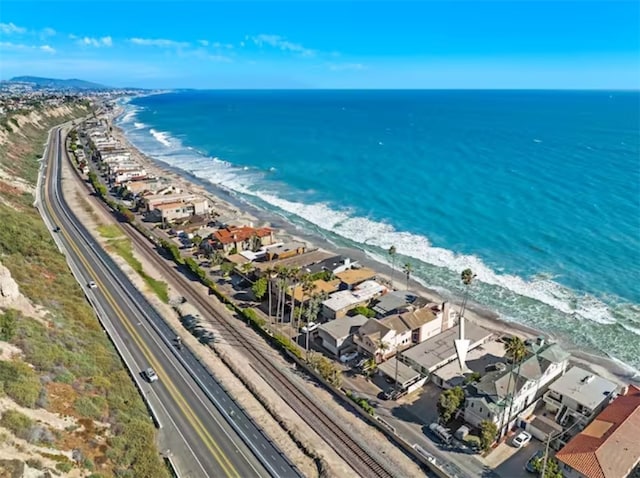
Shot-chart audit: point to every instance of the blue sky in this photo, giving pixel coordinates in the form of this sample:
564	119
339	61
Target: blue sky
329	44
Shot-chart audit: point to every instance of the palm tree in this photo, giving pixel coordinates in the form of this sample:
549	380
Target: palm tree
281	280
407	269
382	347
467	277
307	286
295	283
270	274
516	351
392	254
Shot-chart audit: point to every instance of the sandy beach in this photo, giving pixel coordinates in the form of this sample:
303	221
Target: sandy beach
227	204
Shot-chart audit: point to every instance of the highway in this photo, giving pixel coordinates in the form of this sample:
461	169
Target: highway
203	431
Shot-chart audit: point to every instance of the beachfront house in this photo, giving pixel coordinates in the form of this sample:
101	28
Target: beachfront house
341	302
397	302
577	397
333	265
609	446
233	239
352	278
337	335
503	395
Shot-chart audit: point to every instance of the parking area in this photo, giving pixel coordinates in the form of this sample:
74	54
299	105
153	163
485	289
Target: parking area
509	461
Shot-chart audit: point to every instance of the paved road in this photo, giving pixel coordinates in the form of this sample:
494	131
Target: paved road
205	432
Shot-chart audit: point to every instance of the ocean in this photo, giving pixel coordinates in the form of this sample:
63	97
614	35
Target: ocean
538	192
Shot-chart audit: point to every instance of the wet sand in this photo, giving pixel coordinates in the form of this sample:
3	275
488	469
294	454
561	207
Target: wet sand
228	204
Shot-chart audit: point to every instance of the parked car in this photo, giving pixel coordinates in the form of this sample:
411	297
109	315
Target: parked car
310	327
150	375
530	464
348	357
92	285
521	439
441	433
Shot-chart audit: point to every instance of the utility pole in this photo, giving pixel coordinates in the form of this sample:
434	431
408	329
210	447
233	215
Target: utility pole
395	381
546	448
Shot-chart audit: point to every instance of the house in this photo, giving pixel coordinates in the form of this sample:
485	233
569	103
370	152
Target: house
174	211
242	238
333	264
405	377
396	302
609	447
286	250
501	396
151	201
352	277
140	186
300	261
578	396
337	335
341	302
384	338
439	350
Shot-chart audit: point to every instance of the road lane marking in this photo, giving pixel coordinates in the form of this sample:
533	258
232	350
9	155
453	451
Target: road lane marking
185	408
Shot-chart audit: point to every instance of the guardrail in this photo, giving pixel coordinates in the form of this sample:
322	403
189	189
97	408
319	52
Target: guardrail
100	313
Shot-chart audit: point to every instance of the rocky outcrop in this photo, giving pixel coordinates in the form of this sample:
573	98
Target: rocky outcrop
9	291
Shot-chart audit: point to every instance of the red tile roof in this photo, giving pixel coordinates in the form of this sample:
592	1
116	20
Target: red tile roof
609	447
233	234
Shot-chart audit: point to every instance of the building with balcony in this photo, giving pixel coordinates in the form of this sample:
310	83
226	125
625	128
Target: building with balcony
578	396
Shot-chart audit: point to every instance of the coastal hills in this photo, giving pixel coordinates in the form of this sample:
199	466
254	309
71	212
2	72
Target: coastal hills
70	84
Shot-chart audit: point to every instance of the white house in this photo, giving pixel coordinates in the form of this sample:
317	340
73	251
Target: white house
341	302
507	394
578	396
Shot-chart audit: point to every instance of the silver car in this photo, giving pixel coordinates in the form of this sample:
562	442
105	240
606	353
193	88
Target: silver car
150	375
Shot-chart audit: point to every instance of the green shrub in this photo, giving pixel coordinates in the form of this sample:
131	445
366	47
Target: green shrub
64	467
90	406
20	382
17	422
362	310
362	403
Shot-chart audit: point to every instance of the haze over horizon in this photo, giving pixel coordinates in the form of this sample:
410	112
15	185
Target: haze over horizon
460	44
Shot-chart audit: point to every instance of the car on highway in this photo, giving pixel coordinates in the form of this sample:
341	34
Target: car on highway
150	375
530	466
56	228
92	285
521	439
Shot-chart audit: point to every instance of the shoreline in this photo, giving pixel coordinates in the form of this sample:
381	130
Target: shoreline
229	203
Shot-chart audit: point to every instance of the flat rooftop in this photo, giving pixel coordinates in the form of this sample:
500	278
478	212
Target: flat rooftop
300	260
485	354
586	388
355	276
406	374
439	350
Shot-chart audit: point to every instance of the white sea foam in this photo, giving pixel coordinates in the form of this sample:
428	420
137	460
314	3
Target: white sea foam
161	137
139	125
365	231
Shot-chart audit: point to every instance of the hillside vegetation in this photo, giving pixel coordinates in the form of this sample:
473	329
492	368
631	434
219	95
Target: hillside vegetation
67	367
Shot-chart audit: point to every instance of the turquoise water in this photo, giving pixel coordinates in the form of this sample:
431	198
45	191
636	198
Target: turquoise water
537	192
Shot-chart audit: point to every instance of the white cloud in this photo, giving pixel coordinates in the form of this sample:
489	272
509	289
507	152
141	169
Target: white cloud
158	42
204	42
48	32
347	67
95	42
8	46
11	29
276	41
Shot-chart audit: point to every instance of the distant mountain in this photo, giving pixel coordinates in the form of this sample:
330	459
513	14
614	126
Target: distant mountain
71	84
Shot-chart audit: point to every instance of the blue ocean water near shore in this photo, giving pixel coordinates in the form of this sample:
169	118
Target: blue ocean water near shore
537	192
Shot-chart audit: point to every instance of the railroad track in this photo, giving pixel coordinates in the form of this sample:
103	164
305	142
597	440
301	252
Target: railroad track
344	445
